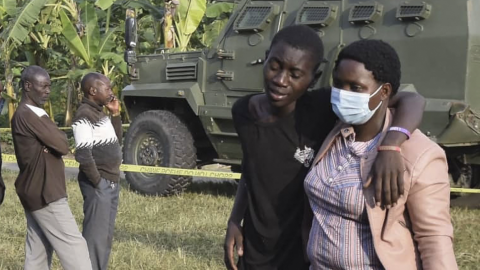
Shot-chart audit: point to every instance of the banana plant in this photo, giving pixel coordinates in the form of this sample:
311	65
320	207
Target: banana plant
187	18
217	16
93	48
7	8
21	20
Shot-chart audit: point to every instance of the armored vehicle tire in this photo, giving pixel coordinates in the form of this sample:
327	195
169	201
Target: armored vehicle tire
158	138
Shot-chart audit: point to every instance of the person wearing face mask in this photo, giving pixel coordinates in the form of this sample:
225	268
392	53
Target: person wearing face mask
98	150
348	231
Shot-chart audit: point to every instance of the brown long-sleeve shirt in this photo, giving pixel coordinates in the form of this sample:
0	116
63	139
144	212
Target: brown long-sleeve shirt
39	147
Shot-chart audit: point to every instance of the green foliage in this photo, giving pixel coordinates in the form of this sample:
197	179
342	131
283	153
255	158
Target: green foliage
8	7
70	38
104	4
94	48
18	28
216	18
74	41
188	16
212	31
216	10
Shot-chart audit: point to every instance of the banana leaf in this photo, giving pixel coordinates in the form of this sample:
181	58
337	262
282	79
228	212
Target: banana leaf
104	4
73	40
91	39
8	6
189	14
17	29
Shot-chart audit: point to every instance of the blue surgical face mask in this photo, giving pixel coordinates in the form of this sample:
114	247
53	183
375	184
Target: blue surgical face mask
352	108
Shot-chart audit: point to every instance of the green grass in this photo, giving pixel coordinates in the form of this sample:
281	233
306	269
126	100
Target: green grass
180	232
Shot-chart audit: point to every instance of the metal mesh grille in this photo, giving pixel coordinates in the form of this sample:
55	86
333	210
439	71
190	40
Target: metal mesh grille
317	14
363	12
181	72
411	10
252	17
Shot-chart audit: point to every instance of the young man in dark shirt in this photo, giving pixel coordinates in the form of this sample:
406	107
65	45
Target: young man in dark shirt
40	185
98	150
280	132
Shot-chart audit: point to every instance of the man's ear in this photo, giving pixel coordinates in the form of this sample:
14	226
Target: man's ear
27	85
386	91
92	91
266	54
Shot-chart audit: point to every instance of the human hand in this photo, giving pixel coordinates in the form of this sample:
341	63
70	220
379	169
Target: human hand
387	176
113	106
233	238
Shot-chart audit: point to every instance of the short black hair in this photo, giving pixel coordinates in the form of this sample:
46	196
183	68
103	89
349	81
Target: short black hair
303	38
30	72
378	57
89	81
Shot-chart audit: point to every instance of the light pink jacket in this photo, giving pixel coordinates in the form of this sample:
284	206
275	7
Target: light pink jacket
417	233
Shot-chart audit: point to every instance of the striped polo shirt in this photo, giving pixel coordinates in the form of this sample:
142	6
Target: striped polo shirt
340	237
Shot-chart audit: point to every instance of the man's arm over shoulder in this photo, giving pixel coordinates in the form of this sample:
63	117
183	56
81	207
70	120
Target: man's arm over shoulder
83	133
409	107
428	204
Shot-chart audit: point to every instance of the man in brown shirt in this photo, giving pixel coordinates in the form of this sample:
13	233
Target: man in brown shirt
40	185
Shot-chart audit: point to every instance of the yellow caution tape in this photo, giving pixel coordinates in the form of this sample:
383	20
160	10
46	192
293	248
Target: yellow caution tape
148	169
61	128
465	190
187	172
9	129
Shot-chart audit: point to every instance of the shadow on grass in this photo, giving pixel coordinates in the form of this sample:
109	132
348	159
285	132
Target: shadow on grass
196	244
469	201
217	188
226	188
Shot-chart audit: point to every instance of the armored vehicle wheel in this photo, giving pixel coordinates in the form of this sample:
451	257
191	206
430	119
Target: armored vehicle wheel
159	138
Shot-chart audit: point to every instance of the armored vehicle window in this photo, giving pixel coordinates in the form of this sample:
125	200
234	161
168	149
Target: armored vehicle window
362	12
365	13
316	14
407	10
413	12
255	17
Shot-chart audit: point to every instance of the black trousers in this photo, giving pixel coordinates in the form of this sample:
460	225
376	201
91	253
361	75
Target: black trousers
100	210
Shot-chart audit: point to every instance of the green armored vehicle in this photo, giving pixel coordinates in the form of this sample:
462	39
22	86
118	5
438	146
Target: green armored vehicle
180	102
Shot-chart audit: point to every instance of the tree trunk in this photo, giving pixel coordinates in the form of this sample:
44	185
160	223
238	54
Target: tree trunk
68	111
9	85
168	30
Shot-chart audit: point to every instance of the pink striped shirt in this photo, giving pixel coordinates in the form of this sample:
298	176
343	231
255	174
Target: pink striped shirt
340	237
